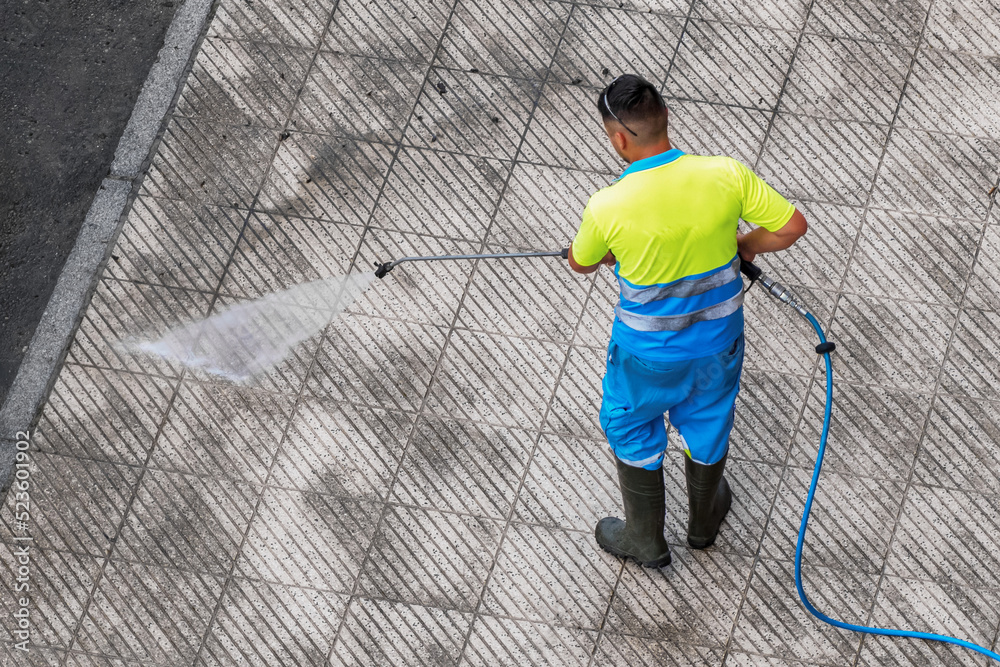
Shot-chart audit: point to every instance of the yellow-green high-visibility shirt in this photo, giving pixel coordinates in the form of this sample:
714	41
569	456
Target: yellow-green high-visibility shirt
671	222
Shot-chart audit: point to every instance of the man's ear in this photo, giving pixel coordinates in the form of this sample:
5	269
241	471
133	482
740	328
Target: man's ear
620	141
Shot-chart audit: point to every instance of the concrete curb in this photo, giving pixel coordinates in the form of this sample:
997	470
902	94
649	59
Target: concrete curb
55	330
159	89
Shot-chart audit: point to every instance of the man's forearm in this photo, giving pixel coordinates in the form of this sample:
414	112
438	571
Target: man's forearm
761	240
609	259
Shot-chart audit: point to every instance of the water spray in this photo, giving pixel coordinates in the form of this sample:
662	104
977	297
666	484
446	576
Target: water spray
246	339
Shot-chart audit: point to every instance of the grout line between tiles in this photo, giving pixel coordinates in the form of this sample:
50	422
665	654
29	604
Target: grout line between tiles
209	626
801	409
922	434
354	593
568	347
99	576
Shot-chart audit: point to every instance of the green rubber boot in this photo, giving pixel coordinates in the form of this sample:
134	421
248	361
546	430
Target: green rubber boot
709	499
640	535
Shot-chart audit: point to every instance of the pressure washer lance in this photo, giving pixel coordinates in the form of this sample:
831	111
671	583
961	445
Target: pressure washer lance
385	267
750	270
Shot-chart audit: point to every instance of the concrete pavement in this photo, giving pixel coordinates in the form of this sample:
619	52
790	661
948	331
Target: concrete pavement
419	484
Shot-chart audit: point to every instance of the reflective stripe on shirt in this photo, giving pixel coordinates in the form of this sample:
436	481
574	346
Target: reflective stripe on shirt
682	288
677	305
641	322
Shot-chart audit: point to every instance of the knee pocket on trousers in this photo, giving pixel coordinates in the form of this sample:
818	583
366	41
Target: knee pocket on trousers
613	417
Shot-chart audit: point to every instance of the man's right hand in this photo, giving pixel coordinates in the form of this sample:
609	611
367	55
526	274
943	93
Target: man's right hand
607	260
745	254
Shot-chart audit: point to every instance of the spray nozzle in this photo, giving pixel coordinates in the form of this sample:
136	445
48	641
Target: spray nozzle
384	268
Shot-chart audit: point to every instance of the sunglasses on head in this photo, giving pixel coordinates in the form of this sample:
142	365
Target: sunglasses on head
608	106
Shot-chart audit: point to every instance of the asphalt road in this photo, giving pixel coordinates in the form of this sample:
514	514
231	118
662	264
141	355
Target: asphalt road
70	72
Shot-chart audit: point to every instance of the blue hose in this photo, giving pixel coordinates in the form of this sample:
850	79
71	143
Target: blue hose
805	521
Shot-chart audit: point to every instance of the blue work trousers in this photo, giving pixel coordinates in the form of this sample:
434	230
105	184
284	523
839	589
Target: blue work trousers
699	395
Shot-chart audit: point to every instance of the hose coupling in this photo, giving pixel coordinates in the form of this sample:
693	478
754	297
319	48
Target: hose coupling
781	293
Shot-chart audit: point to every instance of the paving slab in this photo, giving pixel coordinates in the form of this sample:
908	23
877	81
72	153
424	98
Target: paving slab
418	482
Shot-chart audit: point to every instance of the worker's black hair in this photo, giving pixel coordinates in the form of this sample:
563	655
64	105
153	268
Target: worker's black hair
630	97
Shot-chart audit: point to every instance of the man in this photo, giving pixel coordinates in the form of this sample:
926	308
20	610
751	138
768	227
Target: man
668	226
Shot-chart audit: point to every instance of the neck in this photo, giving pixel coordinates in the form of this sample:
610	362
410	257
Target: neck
644	152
